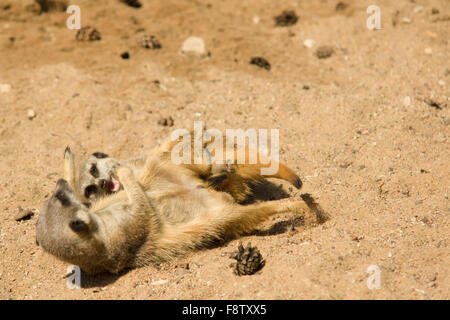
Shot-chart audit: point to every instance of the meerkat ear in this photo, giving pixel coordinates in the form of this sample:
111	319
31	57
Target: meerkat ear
69	168
80	222
100	155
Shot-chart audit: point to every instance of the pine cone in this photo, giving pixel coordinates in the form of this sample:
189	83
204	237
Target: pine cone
149	42
249	260
88	33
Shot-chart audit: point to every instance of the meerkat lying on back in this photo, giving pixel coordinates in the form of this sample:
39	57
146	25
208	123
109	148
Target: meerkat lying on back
97	181
167	211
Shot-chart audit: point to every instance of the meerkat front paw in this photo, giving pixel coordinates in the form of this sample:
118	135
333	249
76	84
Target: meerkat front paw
122	172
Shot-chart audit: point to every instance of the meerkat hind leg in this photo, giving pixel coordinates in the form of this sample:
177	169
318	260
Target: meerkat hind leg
245	219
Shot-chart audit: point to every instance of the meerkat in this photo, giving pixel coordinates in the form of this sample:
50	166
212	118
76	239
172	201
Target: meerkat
165	212
96	179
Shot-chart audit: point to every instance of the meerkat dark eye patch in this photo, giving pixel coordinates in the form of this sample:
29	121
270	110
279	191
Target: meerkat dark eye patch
90	190
78	225
63	199
94	171
100	155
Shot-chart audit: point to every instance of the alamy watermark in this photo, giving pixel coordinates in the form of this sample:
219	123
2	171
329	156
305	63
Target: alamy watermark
374	20
240	147
73	277
73	22
374	280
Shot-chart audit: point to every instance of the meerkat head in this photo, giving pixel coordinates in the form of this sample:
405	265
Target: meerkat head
66	229
96	178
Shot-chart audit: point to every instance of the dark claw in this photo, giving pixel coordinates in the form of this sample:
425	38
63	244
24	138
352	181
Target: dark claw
297	183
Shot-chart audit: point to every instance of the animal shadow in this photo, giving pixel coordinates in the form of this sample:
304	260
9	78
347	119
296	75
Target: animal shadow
295	221
99	280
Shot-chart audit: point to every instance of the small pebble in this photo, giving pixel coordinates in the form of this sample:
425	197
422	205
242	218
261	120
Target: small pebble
166	122
407	101
149	42
132	3
24	214
406	20
309	43
125	55
261	62
194	47
31	114
88	33
341	6
428	51
5	87
324	52
433	103
286	18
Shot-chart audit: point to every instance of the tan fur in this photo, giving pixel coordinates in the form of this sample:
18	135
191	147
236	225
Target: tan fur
231	177
164	212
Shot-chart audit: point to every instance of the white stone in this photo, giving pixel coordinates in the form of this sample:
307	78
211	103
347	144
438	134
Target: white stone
406	20
194	47
5	87
428	51
407	101
309	43
31	114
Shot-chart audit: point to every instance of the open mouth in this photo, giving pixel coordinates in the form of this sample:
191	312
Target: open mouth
113	185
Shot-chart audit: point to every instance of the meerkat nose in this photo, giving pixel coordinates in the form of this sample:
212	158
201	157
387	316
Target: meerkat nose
103	183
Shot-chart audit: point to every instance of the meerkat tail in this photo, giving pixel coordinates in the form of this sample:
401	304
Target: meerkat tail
252	168
254	172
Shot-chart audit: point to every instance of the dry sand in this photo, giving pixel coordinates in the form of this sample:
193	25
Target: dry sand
367	129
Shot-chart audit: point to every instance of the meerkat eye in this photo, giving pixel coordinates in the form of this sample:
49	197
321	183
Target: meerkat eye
92	189
94	171
63	199
78	225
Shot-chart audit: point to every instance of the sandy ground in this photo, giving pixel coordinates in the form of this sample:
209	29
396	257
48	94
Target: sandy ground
367	129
